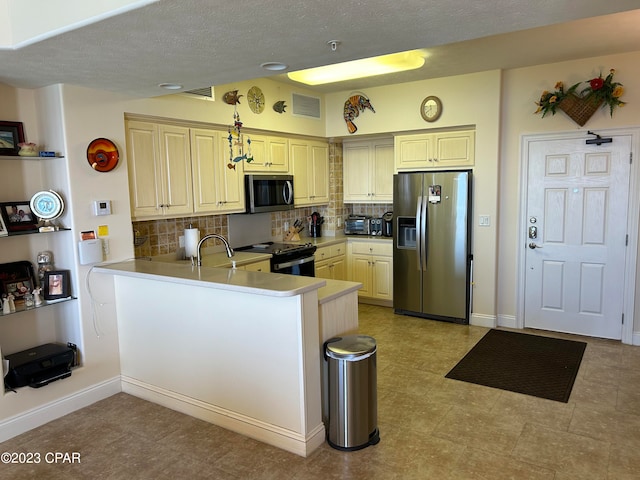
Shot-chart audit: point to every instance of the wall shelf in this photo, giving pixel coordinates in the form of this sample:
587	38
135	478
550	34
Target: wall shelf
46	303
34	232
19	157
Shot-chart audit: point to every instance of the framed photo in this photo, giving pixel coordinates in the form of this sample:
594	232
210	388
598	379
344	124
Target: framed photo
17	278
55	284
11	134
18	217
3	228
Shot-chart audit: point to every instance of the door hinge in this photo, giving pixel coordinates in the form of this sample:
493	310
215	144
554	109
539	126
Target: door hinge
623	318
626	241
630	157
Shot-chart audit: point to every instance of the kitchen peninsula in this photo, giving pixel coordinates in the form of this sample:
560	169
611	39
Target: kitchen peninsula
240	349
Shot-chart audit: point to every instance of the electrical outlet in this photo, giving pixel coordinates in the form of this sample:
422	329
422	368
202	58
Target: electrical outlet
181	241
105	246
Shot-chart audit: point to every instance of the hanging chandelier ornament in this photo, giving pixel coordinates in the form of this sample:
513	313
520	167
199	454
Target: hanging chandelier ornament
236	140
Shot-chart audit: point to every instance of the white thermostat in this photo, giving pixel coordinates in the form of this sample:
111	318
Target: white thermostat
102	207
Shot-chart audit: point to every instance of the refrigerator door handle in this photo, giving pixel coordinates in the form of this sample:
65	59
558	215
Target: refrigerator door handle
419	233
424	235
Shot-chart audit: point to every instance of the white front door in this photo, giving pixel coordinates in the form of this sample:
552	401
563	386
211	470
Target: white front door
576	217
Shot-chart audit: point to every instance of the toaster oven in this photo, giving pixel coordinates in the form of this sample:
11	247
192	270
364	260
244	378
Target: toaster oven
357	225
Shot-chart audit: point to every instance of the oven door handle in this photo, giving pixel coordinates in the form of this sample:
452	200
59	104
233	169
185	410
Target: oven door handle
300	261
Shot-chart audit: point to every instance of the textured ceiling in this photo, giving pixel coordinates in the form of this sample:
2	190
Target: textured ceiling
199	43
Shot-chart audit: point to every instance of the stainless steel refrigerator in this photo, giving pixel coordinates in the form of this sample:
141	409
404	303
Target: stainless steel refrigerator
432	244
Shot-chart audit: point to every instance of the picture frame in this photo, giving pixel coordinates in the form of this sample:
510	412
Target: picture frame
18	217
55	284
11	134
17	278
3	228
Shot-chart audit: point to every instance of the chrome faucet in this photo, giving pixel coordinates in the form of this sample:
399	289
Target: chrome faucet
219	237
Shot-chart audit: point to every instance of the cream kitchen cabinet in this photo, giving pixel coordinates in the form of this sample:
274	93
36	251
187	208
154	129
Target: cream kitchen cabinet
159	170
371	263
260	266
310	168
435	150
270	154
331	261
216	188
368	171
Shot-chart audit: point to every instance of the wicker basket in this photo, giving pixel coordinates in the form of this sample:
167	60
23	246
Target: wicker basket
579	109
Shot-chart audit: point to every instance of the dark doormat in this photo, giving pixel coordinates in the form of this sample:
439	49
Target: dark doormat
540	366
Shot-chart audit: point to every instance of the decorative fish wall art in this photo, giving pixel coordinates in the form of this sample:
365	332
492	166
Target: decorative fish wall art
352	108
279	106
231	97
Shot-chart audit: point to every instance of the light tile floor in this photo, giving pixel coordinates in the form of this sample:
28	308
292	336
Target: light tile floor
430	427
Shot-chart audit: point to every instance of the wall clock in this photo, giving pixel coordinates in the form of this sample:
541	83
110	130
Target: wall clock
47	204
256	100
431	108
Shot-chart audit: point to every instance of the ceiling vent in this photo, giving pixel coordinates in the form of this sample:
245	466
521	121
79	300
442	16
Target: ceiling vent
305	106
205	93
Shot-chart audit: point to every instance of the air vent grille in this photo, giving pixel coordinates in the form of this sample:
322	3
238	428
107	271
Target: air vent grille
305	106
204	93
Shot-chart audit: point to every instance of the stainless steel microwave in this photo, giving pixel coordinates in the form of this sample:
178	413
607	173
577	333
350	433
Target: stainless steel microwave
268	193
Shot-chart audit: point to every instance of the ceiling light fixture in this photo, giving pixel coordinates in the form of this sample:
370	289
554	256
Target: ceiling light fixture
274	66
170	86
366	67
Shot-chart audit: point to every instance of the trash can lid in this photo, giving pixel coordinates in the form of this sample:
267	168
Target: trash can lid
351	347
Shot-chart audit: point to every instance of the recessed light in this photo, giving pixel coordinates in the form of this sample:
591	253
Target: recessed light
170	86
274	66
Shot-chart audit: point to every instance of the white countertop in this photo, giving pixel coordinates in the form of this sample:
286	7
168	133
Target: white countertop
216	259
336	288
257	283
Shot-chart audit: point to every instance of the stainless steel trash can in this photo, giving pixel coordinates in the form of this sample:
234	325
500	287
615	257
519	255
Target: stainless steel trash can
352	391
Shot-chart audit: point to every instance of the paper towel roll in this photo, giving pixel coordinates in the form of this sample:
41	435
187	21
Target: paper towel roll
191	239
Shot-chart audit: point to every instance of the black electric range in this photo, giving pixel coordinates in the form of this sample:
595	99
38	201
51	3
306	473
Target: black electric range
295	259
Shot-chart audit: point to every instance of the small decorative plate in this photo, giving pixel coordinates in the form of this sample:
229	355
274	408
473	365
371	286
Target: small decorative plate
47	204
102	155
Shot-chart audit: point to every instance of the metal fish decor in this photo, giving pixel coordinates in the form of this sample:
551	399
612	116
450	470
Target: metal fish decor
352	108
231	97
279	106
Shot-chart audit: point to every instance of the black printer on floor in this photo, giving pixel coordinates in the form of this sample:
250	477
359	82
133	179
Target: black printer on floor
39	366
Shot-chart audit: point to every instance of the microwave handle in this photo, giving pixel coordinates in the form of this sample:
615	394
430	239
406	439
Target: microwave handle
287	192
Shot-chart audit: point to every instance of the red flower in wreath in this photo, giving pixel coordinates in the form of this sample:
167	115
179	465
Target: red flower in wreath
596	83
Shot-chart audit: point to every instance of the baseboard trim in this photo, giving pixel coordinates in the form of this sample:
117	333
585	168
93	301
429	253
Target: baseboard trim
480	320
271	434
36	417
507	321
635	338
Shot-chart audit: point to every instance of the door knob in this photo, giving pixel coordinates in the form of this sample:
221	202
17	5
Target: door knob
533	246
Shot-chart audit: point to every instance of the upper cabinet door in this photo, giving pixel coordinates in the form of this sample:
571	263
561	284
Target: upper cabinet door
302	172
175	154
159	170
382	173
230	180
309	161
216	187
320	177
204	158
270	154
368	171
145	169
435	150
